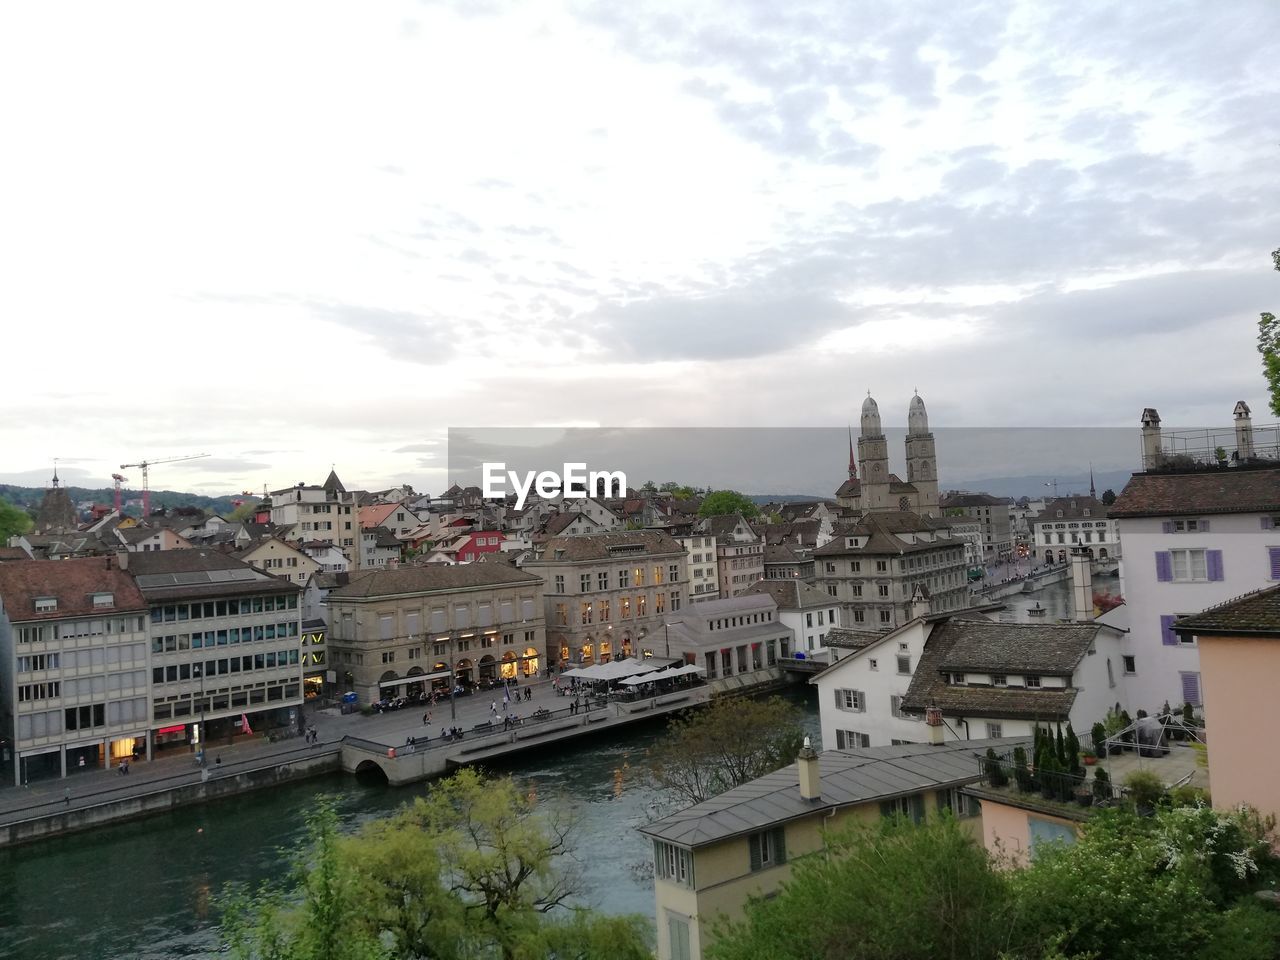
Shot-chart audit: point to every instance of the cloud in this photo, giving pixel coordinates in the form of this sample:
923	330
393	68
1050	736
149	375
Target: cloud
404	334
426	446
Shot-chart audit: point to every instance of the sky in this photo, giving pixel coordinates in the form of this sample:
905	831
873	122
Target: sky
296	235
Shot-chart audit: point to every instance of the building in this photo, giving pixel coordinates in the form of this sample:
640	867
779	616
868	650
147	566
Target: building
737	641
225	647
993	516
711	858
703	565
409	630
1195	534
739	553
395	516
873	568
879	490
73	666
1068	521
782	561
809	612
326	512
278	558
1239	647
608	595
147	539
467	547
988	679
379	549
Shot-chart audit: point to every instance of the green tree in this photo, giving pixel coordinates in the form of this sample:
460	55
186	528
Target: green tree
904	892
14	521
1108	497
1269	347
244	512
734	739
725	502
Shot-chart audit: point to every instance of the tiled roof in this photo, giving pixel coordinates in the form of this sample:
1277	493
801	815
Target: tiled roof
199	572
1236	490
847	639
608	546
13	553
373	516
847	777
431	578
850	488
1073	508
1254	614
992	647
880	529
71	582
792	594
972	500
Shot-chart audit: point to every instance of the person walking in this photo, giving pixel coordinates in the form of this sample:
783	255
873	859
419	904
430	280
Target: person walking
66	796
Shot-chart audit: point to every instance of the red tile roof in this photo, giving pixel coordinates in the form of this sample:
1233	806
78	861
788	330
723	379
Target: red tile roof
1235	490
71	582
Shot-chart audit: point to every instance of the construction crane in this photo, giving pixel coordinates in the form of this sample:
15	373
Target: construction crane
146	465
118	480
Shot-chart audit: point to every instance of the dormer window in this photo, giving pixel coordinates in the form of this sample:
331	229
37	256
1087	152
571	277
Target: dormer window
1059	513
46	604
103	601
1086	512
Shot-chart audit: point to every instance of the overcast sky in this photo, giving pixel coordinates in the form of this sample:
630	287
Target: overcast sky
290	235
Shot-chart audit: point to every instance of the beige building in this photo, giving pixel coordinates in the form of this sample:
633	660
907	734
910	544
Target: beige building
326	512
704	568
737	641
739	553
876	567
73	665
710	858
408	630
608	595
284	560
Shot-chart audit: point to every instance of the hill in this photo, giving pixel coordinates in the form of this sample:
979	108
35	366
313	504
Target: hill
29	498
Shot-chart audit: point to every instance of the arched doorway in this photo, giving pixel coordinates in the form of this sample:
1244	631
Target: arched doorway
1102	553
416	688
530	663
441	680
488	669
462	673
588	651
1062	556
606	651
626	644
509	667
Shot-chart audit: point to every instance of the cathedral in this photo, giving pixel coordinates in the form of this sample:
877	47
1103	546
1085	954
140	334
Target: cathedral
871	487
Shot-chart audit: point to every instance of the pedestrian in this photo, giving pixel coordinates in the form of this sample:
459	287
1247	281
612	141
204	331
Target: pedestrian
217	761
121	768
82	763
126	766
66	796
426	718
493	708
442	734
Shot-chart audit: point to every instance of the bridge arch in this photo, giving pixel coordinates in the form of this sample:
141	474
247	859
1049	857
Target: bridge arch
371	771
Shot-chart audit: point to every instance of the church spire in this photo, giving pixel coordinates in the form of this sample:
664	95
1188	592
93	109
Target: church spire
853	463
1092	490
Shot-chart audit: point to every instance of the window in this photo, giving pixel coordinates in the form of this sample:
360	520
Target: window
852	740
999	680
1188	566
602	580
995	731
958	802
882	589
854	700
673	864
885	616
624	578
1191	688
768	848
673	573
584	583
873	664
46	604
1130	665
912	807
882	566
559	583
904	664
678	937
1032	682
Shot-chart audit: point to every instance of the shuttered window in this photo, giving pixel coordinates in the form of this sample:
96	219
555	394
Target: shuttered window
526	609
1167	636
1164	566
1191	688
384	627
1273	554
768	848
439	621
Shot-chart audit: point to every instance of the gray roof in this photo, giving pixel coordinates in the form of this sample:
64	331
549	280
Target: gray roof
847	639
881	531
1037	648
792	594
1255	614
848	777
199	572
432	577
706	609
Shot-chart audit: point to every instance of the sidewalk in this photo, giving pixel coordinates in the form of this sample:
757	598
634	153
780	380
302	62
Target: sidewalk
179	768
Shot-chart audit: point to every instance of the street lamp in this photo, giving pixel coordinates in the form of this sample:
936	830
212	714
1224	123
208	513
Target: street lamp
198	674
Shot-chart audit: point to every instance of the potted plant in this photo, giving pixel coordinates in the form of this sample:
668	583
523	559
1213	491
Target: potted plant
1101	786
1084	795
1099	735
996	776
1088	757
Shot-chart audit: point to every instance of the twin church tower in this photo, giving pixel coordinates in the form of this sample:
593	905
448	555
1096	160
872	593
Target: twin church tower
871	488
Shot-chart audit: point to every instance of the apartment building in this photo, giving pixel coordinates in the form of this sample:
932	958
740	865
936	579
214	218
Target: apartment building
1066	522
994	516
704	567
325	512
73	666
280	559
734	637
739	553
810	613
607	595
419	628
878	567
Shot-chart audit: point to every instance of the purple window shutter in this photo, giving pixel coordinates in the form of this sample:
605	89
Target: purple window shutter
1213	563
1268	523
1191	688
1204	526
1273	554
1167	636
1164	566
1166	526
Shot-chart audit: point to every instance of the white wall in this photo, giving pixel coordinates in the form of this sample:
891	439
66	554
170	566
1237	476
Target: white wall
1245	567
854	672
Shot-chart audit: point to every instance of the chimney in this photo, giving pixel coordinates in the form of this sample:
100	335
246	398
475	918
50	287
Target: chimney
919	606
810	777
933	723
1244	431
122	559
1081	585
1152	456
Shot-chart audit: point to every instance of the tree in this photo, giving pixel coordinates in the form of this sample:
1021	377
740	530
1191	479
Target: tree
903	891
14	521
735	739
1108	497
726	502
1269	347
649	487
244	512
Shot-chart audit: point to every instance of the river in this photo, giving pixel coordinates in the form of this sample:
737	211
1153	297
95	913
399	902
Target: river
148	889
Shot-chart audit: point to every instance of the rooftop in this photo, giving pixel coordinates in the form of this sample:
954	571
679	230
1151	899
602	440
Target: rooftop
608	546
1254	614
1231	490
848	777
199	572
72	583
432	578
792	594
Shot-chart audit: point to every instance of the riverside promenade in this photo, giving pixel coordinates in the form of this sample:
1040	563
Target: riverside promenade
350	742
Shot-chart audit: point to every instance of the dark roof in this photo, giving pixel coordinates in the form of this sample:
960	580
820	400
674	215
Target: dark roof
1236	490
71	582
385	538
971	500
990	647
881	531
13	553
848	777
608	546
1254	614
928	688
430	578
1073	508
722	526
792	594
852	487
847	639
200	572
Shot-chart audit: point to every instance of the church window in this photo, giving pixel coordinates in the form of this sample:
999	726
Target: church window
904	504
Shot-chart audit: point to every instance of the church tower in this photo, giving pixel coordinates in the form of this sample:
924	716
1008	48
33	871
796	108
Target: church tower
922	461
873	455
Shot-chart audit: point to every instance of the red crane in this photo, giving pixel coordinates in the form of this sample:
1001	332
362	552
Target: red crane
146	484
118	480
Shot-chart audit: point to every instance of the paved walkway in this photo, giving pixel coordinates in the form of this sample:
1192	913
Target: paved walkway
174	768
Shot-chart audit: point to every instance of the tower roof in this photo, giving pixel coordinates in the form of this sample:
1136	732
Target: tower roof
871	418
333	484
917	417
853	462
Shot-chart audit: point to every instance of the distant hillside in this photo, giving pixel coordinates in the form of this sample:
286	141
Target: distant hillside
29	498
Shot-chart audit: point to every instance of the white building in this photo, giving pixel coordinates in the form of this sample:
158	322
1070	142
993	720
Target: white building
809	612
1191	539
1070	521
989	680
326	512
704	569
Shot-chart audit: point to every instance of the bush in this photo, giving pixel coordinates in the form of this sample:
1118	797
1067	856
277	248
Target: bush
1249	931
1144	788
1101	785
995	772
1099	735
